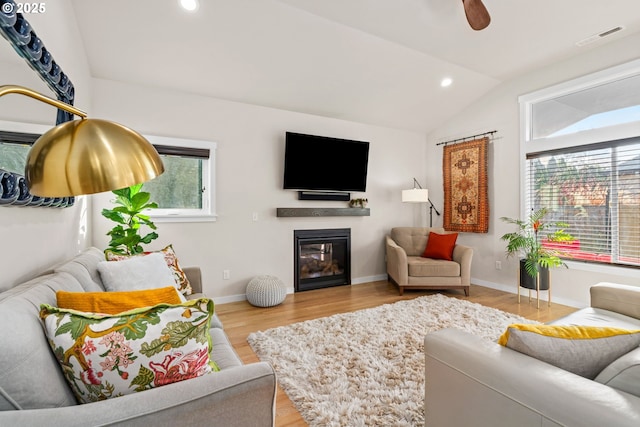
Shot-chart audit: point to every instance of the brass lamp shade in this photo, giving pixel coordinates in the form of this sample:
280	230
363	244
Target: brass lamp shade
89	156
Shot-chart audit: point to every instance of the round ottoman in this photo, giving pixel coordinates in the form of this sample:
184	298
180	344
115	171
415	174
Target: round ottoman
266	291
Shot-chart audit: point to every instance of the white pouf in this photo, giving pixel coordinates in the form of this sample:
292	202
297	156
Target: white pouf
266	291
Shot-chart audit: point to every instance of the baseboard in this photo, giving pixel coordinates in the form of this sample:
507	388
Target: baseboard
513	290
230	298
368	279
291	290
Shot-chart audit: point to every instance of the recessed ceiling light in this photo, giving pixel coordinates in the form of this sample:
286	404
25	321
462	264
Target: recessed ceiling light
446	82
190	5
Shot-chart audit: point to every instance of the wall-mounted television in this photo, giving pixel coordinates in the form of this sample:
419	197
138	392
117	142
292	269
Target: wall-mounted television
320	163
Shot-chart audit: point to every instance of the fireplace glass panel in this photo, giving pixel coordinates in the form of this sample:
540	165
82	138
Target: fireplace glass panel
321	259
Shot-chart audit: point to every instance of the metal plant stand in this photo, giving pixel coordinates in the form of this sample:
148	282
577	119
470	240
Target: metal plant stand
537	291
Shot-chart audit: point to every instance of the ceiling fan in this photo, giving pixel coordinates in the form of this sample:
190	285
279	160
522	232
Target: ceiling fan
477	14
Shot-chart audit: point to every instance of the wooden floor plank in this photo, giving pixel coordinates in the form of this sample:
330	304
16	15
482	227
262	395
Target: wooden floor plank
241	318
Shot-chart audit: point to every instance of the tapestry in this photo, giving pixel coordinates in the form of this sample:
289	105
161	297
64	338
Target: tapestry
466	201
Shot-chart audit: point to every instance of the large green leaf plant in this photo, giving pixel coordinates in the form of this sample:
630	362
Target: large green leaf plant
128	214
525	242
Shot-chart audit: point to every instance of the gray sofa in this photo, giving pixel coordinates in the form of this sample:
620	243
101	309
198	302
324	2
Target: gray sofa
471	381
409	270
33	391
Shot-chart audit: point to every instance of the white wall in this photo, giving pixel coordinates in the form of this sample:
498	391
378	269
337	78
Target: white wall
250	158
498	110
36	238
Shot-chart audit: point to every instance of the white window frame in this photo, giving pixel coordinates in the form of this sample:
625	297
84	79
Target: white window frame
586	137
208	211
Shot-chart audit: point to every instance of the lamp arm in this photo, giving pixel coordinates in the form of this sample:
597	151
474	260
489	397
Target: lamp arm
21	90
433	207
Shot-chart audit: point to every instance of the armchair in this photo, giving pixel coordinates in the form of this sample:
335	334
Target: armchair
408	269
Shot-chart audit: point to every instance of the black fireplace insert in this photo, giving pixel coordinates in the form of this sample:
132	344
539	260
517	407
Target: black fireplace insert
322	258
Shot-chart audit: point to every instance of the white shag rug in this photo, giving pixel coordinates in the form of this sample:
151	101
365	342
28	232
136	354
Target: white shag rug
366	368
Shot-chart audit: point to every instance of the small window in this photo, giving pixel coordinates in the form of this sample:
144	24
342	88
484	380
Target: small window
14	147
185	191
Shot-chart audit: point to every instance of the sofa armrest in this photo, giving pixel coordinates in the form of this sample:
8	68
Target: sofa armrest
623	299
397	265
194	275
498	386
242	396
463	255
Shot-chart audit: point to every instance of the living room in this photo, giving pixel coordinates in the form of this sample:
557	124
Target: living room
247	238
253	137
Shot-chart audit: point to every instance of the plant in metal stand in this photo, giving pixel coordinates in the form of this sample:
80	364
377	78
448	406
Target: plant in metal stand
125	237
526	243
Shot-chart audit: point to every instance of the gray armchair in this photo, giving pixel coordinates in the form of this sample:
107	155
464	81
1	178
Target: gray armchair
408	269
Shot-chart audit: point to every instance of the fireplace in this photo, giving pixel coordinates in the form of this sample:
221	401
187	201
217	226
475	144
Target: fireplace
322	258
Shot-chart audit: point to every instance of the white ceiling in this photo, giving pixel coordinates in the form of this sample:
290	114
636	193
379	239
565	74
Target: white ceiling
371	61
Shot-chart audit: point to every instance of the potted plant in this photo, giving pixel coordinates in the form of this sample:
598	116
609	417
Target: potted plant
125	236
358	203
526	242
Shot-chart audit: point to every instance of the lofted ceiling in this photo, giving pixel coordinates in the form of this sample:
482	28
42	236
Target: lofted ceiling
370	61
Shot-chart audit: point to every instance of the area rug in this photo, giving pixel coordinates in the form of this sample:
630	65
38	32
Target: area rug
366	368
466	199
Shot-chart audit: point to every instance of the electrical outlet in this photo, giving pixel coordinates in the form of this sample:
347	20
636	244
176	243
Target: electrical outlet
226	274
255	217
498	265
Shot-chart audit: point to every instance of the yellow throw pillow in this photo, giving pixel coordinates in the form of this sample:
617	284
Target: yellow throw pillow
116	302
583	350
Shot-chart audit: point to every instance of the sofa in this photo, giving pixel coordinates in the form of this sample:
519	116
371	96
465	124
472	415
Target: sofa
471	381
33	391
408	269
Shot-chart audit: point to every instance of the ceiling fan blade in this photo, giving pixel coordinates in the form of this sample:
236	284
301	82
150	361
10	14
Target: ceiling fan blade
477	14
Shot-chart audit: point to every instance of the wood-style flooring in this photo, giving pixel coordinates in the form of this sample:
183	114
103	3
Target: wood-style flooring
241	318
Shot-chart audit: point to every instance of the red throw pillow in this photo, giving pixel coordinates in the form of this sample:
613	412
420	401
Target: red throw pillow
440	246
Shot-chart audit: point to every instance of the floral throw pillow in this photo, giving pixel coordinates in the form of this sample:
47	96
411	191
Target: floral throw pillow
170	258
105	356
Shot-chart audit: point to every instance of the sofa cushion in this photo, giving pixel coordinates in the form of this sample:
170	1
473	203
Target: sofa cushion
440	246
137	273
30	377
170	258
223	352
116	302
84	268
583	350
413	239
106	356
598	317
623	374
427	267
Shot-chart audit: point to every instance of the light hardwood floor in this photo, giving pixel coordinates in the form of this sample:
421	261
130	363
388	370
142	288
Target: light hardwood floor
241	318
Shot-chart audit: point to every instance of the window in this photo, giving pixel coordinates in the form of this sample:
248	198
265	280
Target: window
14	147
581	160
596	191
185	191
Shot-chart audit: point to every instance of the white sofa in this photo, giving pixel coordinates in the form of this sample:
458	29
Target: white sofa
33	391
474	382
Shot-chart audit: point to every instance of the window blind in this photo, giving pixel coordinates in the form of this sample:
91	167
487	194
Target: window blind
595	190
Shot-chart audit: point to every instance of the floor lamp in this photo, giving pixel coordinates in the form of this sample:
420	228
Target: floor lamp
419	195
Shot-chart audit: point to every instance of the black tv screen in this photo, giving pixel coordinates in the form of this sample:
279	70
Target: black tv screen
321	163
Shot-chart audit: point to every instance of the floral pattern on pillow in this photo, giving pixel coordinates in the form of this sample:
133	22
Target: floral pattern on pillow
106	356
172	261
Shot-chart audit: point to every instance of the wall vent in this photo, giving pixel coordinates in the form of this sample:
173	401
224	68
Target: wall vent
599	36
